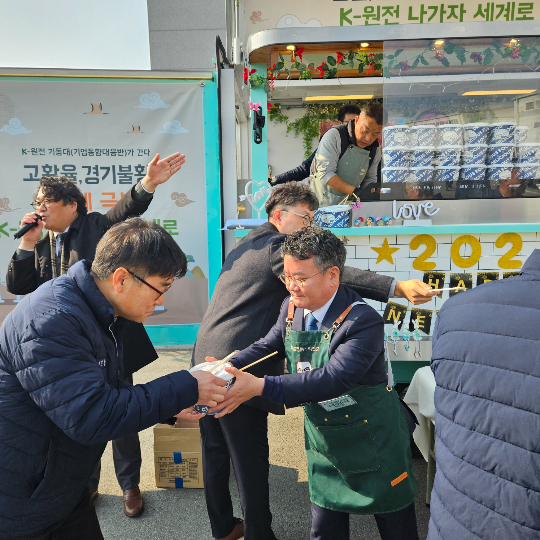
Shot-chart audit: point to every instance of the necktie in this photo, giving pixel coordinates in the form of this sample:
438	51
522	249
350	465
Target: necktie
60	243
311	322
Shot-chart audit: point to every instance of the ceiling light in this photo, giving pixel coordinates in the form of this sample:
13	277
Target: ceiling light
497	92
336	98
439	42
291	47
513	40
364	44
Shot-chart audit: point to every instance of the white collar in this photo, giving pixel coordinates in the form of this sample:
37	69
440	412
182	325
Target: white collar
320	313
56	233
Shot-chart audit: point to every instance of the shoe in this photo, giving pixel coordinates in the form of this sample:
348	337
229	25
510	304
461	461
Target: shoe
133	502
237	532
94	495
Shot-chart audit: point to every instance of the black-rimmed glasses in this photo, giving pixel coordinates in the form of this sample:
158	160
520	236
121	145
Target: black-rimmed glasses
160	293
37	204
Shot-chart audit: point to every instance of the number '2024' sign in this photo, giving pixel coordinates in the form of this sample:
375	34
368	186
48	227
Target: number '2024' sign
506	261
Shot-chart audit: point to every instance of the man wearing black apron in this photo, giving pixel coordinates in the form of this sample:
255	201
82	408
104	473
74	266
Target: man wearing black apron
356	433
348	157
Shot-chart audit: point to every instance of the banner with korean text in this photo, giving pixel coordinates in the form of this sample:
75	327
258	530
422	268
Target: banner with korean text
102	135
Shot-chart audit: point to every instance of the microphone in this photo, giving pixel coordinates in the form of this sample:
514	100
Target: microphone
26	227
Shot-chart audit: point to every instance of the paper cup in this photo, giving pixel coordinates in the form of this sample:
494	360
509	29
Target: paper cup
520	134
527	171
422	156
500	172
499	154
396	135
446	174
473	173
336	216
222	374
423	135
475	133
396	156
474	154
420	174
394	174
528	153
450	135
502	133
448	156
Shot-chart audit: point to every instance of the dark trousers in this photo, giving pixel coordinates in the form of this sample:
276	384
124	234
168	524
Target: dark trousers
81	524
240	437
332	525
127	460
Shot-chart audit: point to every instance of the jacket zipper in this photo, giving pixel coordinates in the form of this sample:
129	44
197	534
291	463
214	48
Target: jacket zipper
116	351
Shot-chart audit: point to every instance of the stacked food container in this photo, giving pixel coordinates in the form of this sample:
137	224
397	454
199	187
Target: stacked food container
450	152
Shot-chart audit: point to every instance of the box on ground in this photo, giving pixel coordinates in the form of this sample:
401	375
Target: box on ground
178	455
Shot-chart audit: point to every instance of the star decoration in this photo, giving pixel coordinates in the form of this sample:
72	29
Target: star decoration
385	252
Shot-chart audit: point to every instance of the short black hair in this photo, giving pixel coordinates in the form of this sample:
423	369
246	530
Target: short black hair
375	111
291	194
62	188
141	246
327	249
348	109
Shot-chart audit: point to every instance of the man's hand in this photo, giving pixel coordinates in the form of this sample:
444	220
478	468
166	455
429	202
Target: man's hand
211	388
189	414
160	170
245	387
415	291
28	241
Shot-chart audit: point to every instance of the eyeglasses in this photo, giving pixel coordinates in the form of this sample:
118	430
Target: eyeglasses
38	204
160	293
306	219
300	282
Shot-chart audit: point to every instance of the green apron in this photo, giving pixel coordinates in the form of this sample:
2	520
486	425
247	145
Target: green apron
352	168
358	451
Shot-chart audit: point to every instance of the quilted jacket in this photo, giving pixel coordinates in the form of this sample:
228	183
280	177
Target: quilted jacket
62	397
486	361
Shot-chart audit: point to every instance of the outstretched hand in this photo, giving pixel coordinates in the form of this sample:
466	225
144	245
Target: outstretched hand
189	414
245	387
415	291
160	170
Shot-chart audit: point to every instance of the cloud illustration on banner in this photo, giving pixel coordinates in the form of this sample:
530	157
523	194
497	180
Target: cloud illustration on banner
151	101
292	21
15	127
174	128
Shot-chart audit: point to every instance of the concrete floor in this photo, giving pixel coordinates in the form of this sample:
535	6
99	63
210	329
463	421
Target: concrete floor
181	513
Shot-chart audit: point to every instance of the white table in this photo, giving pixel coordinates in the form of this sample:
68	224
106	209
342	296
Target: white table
420	398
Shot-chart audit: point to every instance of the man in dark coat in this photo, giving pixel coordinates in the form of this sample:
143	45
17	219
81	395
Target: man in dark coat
244	306
485	359
73	235
62	392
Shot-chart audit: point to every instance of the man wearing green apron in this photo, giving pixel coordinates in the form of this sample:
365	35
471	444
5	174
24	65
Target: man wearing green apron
356	433
348	157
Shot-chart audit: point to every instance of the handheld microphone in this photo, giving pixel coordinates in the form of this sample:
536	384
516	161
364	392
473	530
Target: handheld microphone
26	227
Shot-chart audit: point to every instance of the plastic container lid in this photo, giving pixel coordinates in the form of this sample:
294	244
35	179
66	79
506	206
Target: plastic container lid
335	208
395	168
442	126
477	165
420	168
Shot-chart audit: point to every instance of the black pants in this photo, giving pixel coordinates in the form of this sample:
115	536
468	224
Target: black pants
81	524
242	437
127	460
332	525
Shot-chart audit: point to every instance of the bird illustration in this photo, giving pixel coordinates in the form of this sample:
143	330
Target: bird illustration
96	109
136	129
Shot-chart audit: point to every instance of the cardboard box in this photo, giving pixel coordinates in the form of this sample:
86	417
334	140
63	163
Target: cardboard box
178	455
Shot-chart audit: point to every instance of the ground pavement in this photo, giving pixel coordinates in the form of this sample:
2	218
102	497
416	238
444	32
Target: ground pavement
181	513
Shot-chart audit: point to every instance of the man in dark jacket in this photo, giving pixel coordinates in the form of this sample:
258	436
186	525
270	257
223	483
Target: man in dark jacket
244	306
486	365
62	393
73	235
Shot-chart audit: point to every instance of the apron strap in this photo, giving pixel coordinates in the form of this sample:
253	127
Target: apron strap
290	313
343	316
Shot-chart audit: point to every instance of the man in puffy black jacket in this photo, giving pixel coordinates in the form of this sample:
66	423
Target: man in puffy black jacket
62	391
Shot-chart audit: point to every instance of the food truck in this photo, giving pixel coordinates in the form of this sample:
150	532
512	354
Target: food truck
456	201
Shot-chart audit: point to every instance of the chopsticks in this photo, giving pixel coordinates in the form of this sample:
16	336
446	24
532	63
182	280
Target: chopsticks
257	361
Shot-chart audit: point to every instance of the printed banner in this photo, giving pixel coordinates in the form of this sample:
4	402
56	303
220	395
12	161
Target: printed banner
460	281
262	15
424	317
103	135
394	312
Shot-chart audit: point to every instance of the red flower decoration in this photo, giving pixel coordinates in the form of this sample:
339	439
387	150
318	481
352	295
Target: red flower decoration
269	106
299	53
248	74
340	57
320	69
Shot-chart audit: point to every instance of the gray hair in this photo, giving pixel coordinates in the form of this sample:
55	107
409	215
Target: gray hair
327	249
